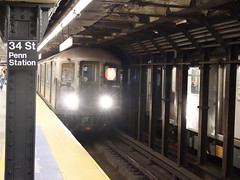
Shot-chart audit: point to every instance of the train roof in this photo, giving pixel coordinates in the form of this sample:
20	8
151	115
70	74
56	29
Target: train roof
86	53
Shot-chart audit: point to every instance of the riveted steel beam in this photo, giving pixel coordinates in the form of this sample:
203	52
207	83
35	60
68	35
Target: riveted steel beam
24	25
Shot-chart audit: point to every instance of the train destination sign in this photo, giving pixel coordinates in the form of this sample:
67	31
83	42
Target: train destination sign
22	54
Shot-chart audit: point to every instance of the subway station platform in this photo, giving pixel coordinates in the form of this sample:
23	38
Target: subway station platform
58	155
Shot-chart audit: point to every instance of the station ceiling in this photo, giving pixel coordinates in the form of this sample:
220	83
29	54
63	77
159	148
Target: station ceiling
33	1
146	27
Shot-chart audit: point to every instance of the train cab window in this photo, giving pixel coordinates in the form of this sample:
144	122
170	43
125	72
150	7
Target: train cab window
110	73
68	71
88	73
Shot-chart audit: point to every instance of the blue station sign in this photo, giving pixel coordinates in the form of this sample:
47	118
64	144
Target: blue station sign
22	54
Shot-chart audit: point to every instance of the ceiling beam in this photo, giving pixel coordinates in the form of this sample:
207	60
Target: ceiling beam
95	29
235	14
215	34
149	35
165	3
143	47
157	46
200	5
134	9
122	18
114	25
190	38
171	42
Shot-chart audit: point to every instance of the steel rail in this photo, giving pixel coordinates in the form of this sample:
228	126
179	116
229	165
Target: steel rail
159	159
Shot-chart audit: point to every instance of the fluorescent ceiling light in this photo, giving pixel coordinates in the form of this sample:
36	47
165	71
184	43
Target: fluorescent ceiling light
184	21
66	44
39	56
66	20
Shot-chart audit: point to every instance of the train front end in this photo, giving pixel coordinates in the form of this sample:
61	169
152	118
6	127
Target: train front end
95	104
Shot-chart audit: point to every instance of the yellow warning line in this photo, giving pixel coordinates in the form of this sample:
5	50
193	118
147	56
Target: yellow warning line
73	160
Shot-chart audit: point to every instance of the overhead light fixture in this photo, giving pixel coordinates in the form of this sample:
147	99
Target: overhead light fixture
155	31
39	56
184	21
66	20
66	44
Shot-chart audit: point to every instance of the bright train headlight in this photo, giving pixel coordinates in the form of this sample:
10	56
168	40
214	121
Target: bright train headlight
106	102
71	101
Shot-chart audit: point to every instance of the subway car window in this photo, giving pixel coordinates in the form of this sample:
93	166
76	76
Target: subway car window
149	90
193	98
88	73
68	70
42	67
48	73
110	73
173	98
212	101
237	112
41	78
220	106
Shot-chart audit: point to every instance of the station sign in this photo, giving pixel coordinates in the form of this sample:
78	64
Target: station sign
22	54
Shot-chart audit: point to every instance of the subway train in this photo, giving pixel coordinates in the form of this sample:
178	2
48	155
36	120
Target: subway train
215	120
82	86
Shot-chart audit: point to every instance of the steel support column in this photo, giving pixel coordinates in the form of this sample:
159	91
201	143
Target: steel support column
203	109
182	106
142	101
130	113
229	113
150	119
166	108
23	22
139	124
133	84
156	101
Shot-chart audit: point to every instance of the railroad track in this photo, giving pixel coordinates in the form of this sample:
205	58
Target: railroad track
121	161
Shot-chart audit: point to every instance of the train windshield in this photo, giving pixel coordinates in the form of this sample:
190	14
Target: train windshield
88	73
68	71
110	72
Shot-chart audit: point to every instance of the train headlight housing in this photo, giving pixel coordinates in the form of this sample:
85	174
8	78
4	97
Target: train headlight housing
106	102
71	101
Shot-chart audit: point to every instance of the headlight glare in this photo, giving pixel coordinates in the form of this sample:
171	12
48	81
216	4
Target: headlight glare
71	101
106	102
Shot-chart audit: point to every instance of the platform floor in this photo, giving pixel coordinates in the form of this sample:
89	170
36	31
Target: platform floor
58	155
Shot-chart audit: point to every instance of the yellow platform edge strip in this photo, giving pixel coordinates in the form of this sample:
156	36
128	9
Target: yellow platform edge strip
2	162
73	160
